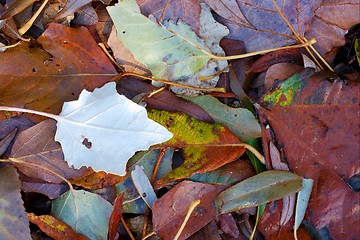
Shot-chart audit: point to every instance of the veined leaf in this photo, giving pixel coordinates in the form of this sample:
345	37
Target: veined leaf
87	213
103	129
166	54
259	189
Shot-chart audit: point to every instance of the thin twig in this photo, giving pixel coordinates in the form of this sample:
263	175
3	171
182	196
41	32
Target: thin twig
171	83
31	21
127	228
192	206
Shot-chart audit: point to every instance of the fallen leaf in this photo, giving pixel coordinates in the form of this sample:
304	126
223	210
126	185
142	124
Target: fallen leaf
259	26
164	100
54	228
170	210
202	143
96	180
14	222
239	120
302	202
15	7
132	201
288	203
226	175
32	184
85	16
5	142
187	10
166	62
143	186
37	145
313	120
259	189
209	232
87	213
75	63
71	7
115	217
92	139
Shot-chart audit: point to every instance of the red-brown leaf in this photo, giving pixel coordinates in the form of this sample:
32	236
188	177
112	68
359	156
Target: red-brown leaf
170	210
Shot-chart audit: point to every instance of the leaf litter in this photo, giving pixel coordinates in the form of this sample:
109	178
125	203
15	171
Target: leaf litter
91	66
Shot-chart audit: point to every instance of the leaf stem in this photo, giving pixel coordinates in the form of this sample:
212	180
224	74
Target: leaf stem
192	206
222	90
245	55
23	110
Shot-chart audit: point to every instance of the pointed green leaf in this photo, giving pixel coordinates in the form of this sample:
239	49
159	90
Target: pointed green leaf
259	189
87	213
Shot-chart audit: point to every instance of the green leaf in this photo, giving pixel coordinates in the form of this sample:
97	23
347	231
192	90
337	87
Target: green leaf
14	223
302	202
262	188
239	120
87	213
166	54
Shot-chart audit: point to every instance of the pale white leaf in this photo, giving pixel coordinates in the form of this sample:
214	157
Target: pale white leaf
143	186
103	129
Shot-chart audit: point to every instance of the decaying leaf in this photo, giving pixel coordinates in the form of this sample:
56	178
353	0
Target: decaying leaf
92	128
87	213
14	222
206	146
143	186
55	228
239	120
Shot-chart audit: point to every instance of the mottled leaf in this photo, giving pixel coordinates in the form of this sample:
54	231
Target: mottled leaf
54	228
206	146
239	120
